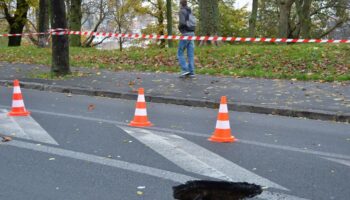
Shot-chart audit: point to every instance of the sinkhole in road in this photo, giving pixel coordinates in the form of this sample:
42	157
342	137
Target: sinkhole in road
215	190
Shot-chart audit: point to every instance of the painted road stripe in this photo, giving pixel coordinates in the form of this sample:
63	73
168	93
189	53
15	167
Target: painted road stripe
196	159
159	173
175	154
24	127
261	144
163	174
278	196
343	162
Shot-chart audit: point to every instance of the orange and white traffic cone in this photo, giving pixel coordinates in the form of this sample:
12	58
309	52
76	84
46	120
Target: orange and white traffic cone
140	118
18	108
222	131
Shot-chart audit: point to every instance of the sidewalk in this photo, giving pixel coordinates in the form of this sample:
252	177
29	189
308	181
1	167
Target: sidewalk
324	101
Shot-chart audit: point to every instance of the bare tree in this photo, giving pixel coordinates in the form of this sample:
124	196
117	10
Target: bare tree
124	12
101	10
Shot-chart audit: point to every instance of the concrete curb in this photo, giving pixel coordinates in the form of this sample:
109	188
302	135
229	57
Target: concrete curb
242	107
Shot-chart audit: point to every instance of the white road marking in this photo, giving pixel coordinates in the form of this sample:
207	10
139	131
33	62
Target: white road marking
24	127
163	174
175	154
278	196
159	173
267	195
294	149
261	144
194	158
343	162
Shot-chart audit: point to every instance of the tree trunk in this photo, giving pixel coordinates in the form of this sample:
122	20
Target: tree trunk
17	22
16	40
169	21
43	22
161	26
305	20
60	43
252	20
120	44
284	18
209	17
75	22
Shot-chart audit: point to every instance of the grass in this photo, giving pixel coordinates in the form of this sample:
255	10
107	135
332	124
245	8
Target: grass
319	62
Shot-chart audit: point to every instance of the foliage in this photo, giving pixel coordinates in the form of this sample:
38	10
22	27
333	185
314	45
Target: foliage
232	22
157	9
324	16
124	12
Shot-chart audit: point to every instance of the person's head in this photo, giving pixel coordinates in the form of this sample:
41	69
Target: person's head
183	3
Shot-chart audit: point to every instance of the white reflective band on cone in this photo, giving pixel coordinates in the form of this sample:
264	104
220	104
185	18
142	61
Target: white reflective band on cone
17	103
222	124
140	112
223	108
16	90
141	98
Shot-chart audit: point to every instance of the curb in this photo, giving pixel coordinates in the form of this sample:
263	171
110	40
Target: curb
241	107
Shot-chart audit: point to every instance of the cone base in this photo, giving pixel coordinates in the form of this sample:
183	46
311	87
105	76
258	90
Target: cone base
223	140
19	114
140	124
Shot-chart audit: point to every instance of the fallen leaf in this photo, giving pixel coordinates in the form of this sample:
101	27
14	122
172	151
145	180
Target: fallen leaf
139	193
91	107
6	139
52	158
131	82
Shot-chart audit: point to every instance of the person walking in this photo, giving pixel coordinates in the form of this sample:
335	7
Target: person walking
187	26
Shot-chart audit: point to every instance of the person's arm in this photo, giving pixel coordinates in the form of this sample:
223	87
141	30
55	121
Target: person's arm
182	19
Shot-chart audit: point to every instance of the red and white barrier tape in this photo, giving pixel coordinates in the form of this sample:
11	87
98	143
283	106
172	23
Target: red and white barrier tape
176	37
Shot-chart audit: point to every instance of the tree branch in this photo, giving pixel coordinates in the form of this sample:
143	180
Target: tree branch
338	24
95	44
8	17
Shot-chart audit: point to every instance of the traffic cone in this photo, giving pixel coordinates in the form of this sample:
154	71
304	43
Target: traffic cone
222	131
141	119
18	108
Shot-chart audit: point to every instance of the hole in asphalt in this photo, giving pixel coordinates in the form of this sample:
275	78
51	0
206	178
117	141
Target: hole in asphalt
215	190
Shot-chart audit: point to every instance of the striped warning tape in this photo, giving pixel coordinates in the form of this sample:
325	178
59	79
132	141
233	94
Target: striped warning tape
176	37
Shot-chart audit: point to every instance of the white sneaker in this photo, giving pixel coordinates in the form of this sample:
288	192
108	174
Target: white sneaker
184	74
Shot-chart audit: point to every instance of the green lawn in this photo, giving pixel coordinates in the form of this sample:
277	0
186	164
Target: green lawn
322	62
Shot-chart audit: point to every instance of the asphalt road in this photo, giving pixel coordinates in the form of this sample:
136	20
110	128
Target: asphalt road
79	147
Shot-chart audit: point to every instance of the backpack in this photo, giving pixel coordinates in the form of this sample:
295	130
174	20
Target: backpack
191	22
